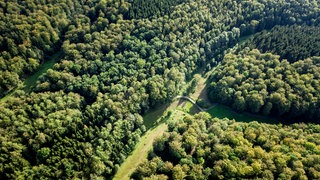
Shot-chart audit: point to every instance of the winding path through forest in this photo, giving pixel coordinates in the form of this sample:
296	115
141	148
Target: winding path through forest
139	153
142	149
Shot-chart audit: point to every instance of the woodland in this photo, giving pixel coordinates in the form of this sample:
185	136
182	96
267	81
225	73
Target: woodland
203	147
261	83
292	43
120	58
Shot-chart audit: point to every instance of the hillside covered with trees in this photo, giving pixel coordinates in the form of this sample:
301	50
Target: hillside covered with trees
202	147
261	83
30	32
290	42
121	58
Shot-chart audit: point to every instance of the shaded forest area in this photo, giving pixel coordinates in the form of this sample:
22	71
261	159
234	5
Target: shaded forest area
290	42
149	8
84	116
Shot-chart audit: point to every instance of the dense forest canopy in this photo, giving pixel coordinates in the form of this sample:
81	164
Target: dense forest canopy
202	147
261	83
149	8
120	58
30	32
290	42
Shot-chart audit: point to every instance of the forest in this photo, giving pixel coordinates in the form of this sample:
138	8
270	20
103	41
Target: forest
121	58
203	147
261	83
292	43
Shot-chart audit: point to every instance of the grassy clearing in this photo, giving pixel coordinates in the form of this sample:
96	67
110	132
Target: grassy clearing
153	117
188	107
31	80
5	98
201	87
156	124
221	111
142	149
140	152
243	39
201	91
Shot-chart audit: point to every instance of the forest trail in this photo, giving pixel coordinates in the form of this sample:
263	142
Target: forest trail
140	152
142	149
30	81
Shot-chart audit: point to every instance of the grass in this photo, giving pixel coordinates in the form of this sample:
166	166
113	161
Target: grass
142	149
187	107
5	98
153	117
140	152
221	111
243	39
201	90
29	82
156	124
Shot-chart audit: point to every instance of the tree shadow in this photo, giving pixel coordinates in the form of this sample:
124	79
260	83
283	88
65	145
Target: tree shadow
152	117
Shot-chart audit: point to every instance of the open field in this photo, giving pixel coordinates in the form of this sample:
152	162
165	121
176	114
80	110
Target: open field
221	111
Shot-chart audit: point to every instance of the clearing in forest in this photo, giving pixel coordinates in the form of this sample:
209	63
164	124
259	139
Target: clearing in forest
31	80
142	149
